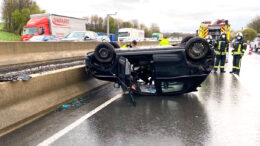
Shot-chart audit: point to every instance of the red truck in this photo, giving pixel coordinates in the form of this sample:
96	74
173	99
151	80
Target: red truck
52	24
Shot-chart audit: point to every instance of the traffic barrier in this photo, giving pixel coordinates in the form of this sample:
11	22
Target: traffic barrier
21	102
22	53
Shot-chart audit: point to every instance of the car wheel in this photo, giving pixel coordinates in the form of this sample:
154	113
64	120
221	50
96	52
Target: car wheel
186	39
104	53
114	44
197	48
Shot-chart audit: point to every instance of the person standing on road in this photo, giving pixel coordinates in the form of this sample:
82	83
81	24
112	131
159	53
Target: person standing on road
239	48
210	41
164	42
221	47
133	44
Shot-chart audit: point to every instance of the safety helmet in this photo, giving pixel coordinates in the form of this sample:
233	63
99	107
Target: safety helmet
239	35
209	37
223	35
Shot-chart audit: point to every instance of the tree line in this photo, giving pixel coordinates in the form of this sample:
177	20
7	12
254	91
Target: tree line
16	13
99	24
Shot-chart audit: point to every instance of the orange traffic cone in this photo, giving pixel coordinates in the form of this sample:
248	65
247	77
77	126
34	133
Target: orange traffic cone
250	51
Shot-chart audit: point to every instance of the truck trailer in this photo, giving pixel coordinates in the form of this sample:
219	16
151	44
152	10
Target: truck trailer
52	24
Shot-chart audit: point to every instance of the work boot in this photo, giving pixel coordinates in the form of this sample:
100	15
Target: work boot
231	72
237	72
222	71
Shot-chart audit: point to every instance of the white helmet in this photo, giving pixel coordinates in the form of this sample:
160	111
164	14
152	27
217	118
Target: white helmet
209	37
239	34
223	35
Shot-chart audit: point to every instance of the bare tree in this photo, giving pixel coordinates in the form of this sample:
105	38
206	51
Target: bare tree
155	28
135	23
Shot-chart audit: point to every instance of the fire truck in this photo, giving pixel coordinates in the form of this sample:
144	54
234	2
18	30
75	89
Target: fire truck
214	29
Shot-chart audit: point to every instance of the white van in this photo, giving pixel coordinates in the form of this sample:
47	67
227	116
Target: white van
130	34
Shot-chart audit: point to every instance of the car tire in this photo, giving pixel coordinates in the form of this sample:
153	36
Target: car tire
197	48
186	39
114	44
104	53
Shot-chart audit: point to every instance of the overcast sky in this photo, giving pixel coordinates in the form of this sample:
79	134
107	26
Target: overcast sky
170	15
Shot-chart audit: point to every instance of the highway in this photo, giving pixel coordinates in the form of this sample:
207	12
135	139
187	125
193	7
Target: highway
225	111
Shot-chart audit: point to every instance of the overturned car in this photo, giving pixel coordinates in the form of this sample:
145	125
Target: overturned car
162	70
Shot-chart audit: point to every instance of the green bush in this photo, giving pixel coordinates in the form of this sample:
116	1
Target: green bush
249	34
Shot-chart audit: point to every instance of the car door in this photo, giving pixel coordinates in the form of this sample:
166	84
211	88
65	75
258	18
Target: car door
169	69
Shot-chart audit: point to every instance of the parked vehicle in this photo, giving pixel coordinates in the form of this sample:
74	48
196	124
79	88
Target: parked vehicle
103	37
255	44
52	24
130	34
153	71
151	39
44	38
157	36
214	29
80	36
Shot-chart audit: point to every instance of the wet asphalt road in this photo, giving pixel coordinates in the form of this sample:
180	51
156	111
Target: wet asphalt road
225	111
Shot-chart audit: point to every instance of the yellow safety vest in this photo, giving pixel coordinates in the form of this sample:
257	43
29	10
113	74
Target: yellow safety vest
164	42
126	46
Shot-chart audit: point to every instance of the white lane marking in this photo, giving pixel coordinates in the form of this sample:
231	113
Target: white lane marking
70	127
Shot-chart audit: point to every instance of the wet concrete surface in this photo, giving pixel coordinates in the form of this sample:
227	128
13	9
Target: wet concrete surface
225	111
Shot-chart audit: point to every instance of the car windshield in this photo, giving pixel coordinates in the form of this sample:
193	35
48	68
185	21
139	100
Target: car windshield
30	31
37	38
76	35
123	34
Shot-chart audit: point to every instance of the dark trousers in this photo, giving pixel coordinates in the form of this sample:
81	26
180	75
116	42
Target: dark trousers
236	63
220	59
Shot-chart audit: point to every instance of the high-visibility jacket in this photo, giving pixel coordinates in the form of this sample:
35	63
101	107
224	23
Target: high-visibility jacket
164	42
239	47
221	46
126	46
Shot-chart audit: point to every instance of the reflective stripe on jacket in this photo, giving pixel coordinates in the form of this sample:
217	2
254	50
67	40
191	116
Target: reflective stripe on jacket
221	47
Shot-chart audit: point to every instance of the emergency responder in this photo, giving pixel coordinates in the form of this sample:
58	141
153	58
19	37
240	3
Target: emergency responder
221	47
164	42
133	44
210	41
239	48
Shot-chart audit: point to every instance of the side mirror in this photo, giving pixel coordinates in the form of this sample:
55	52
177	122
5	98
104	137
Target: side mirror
41	31
86	38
